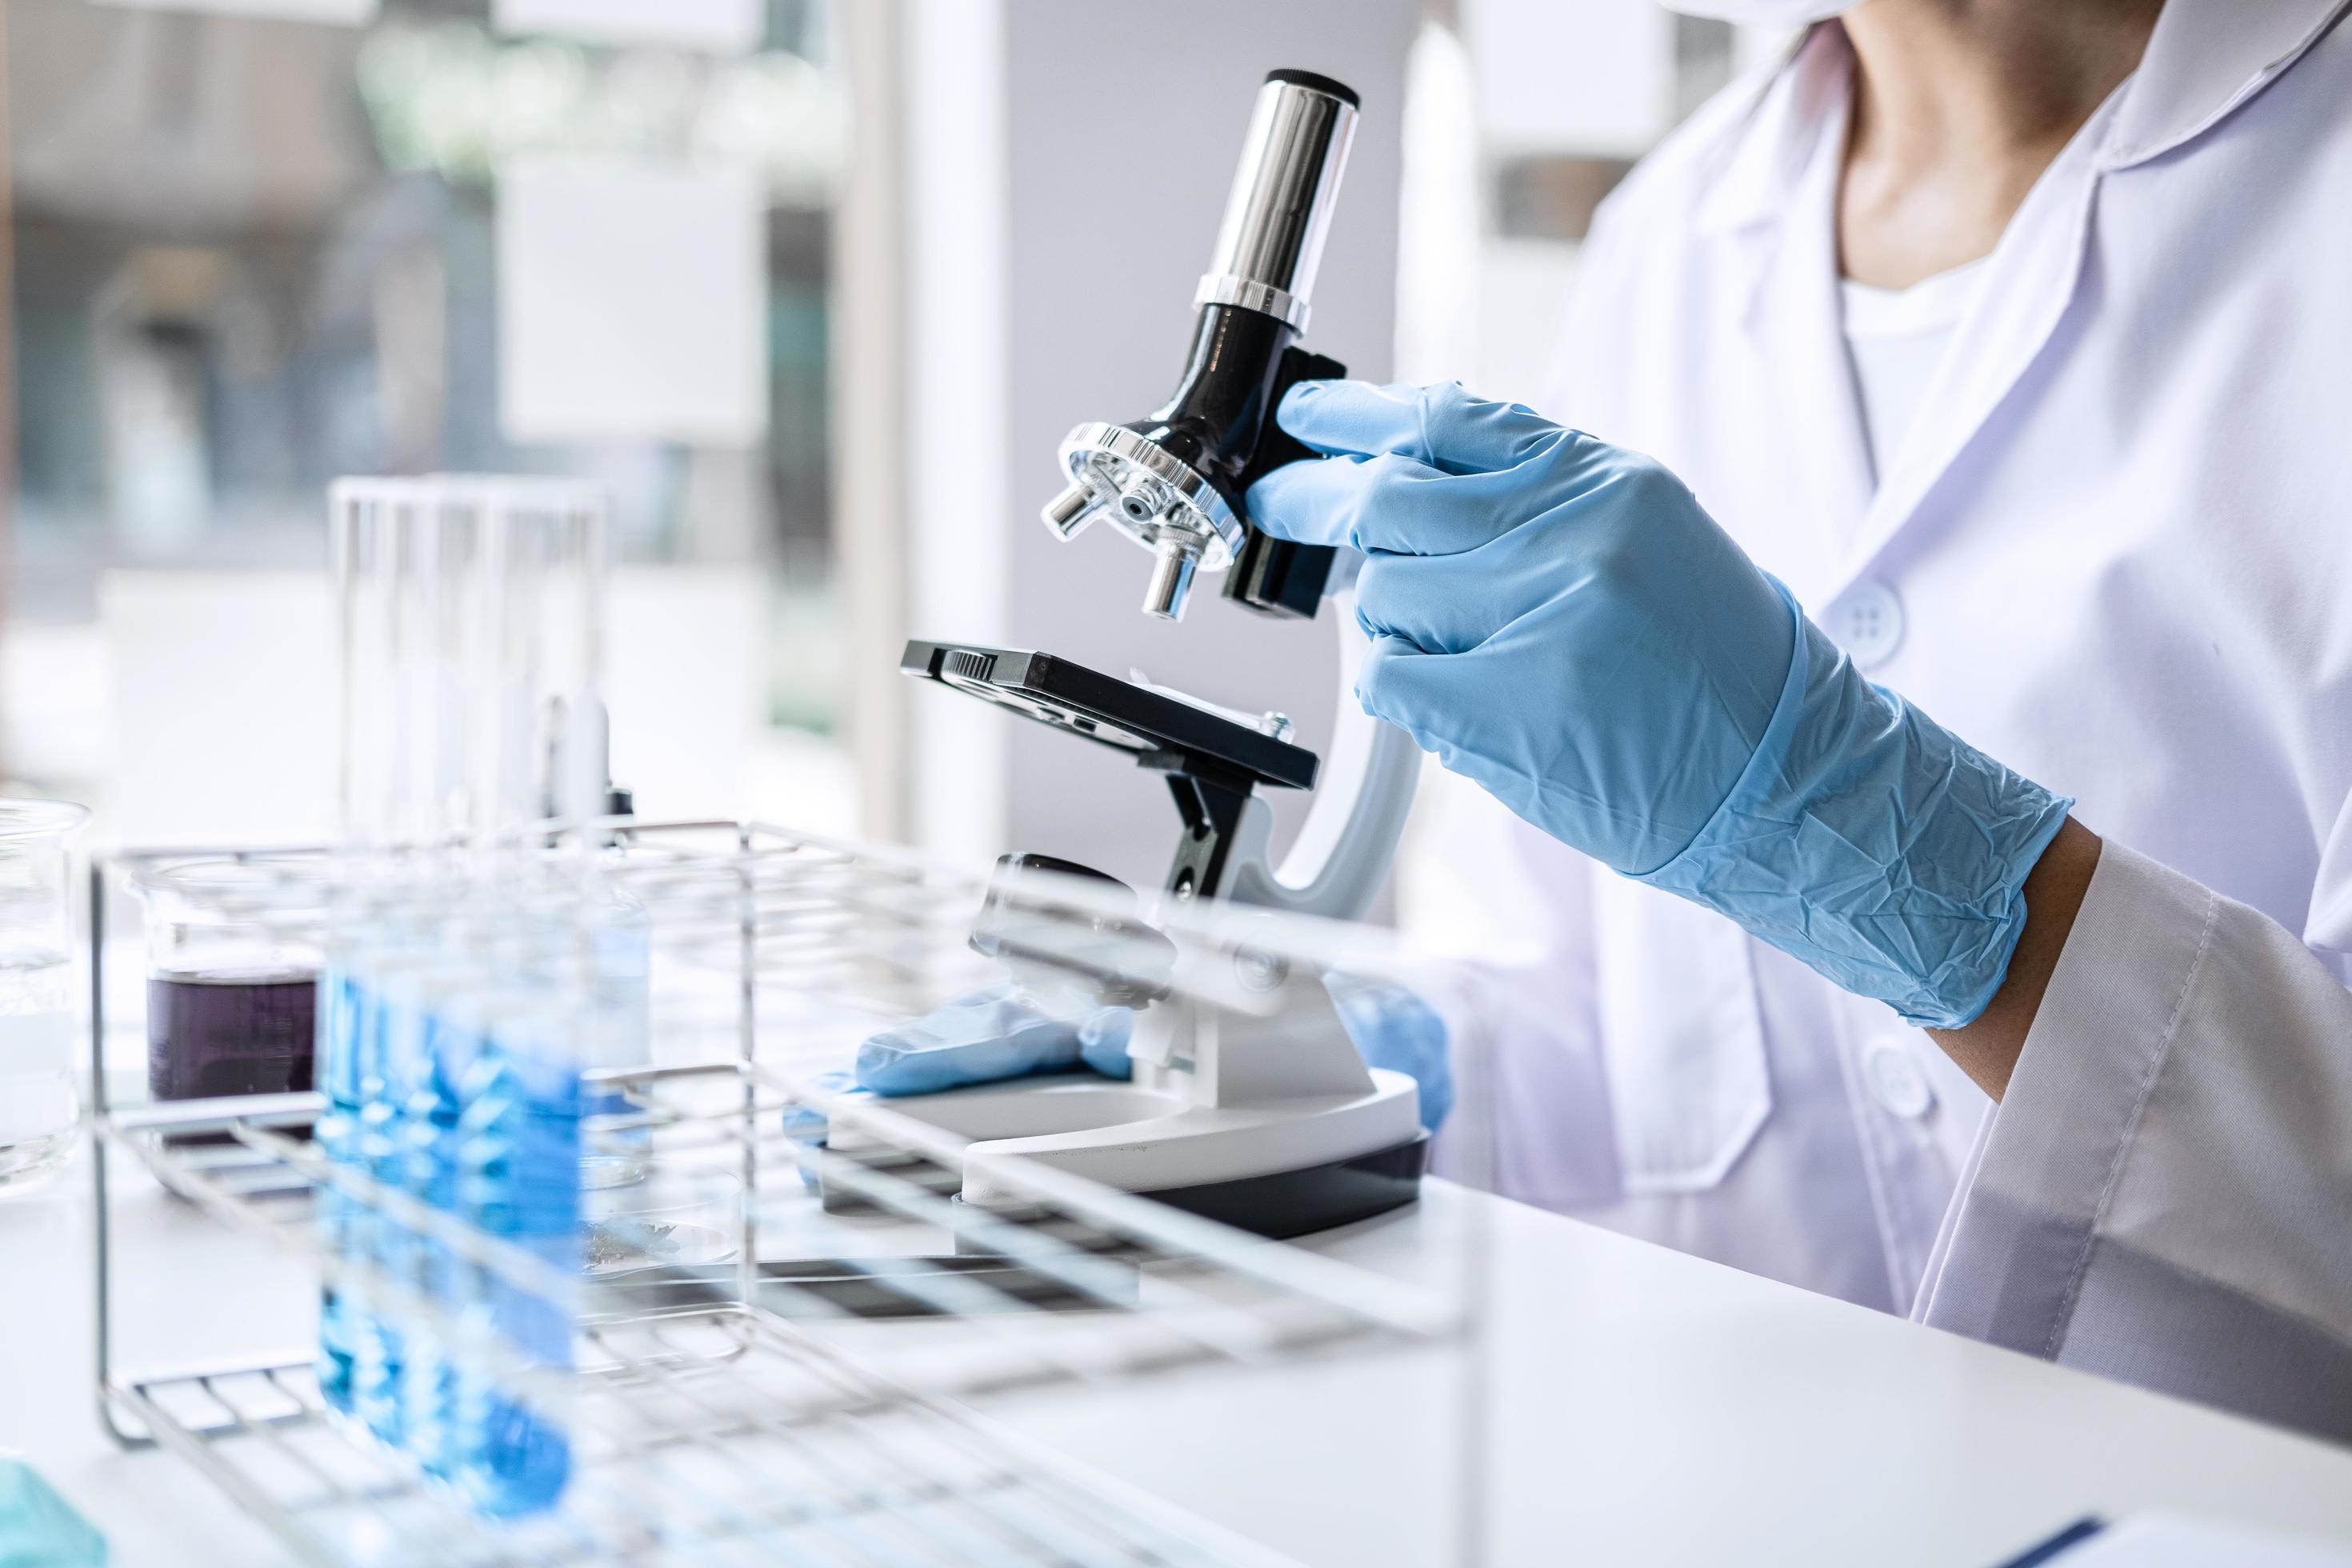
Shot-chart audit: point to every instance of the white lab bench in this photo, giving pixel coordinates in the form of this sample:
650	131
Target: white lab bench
1640	1407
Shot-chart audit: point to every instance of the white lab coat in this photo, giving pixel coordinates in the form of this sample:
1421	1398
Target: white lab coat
2114	551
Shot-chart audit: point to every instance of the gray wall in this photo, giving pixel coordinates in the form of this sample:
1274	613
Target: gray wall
1123	125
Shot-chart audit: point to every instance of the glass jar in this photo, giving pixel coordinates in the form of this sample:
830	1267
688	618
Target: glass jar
38	1108
232	962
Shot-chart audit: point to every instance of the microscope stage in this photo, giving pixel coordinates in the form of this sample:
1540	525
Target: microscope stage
1115	712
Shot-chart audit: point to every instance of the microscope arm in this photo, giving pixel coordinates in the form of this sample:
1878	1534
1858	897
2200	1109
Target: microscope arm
1344	848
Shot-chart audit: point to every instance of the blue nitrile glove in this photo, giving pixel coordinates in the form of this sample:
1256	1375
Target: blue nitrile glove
993	1035
990	1036
805	1126
1395	1029
984	1038
1558	620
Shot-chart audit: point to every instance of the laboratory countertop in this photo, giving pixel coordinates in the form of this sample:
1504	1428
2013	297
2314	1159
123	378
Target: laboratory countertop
1635	1406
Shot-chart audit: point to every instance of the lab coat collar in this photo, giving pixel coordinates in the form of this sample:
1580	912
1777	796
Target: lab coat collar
2030	283
1796	314
1787	114
2204	59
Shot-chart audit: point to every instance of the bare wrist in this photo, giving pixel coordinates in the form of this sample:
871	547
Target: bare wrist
1988	1049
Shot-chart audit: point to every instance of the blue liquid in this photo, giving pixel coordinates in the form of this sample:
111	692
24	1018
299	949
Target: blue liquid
426	1140
518	1176
337	1134
360	1359
482	1122
376	1350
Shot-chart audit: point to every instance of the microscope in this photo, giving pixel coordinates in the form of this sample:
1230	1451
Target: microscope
1273	1123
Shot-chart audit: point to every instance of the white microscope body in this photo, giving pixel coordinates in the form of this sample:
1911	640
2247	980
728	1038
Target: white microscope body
1255	1117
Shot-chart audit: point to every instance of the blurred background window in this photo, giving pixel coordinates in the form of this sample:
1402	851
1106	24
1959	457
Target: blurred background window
812	288
259	244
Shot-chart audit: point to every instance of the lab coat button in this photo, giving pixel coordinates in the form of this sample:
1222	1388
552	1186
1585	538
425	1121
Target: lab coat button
1898	1082
1866	620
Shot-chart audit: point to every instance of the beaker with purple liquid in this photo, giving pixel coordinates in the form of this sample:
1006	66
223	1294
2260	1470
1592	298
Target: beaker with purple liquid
233	961
230	1031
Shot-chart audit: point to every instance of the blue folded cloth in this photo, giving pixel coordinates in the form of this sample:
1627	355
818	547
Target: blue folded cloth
38	1528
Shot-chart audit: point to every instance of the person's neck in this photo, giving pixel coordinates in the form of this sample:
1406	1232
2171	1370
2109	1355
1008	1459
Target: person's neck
1959	105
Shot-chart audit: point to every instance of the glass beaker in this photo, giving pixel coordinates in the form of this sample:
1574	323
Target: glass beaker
38	1108
232	962
678	1216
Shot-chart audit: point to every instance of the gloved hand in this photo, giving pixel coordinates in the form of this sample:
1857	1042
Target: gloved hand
980	1038
995	1034
1395	1029
988	1035
1558	620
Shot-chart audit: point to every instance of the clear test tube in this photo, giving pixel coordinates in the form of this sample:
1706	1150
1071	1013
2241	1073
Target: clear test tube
540	750
471	614
361	536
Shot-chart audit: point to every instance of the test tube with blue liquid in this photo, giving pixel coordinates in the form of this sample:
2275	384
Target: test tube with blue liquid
358	1353
482	963
518	1177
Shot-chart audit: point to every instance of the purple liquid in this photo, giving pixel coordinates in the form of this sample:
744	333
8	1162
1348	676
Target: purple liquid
233	1032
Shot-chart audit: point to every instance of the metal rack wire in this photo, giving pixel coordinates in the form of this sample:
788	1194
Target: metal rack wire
797	1388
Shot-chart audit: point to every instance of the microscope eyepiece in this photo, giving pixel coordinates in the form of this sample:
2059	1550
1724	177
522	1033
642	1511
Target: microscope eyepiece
1324	84
1279	210
1175	482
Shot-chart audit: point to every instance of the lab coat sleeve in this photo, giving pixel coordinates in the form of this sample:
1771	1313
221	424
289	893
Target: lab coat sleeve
2165	1193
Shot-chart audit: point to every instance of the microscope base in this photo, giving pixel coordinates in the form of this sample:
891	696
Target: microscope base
1288	1204
1277	1168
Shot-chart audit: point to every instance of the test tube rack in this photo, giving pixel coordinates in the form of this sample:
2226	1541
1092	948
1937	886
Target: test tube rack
817	1393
